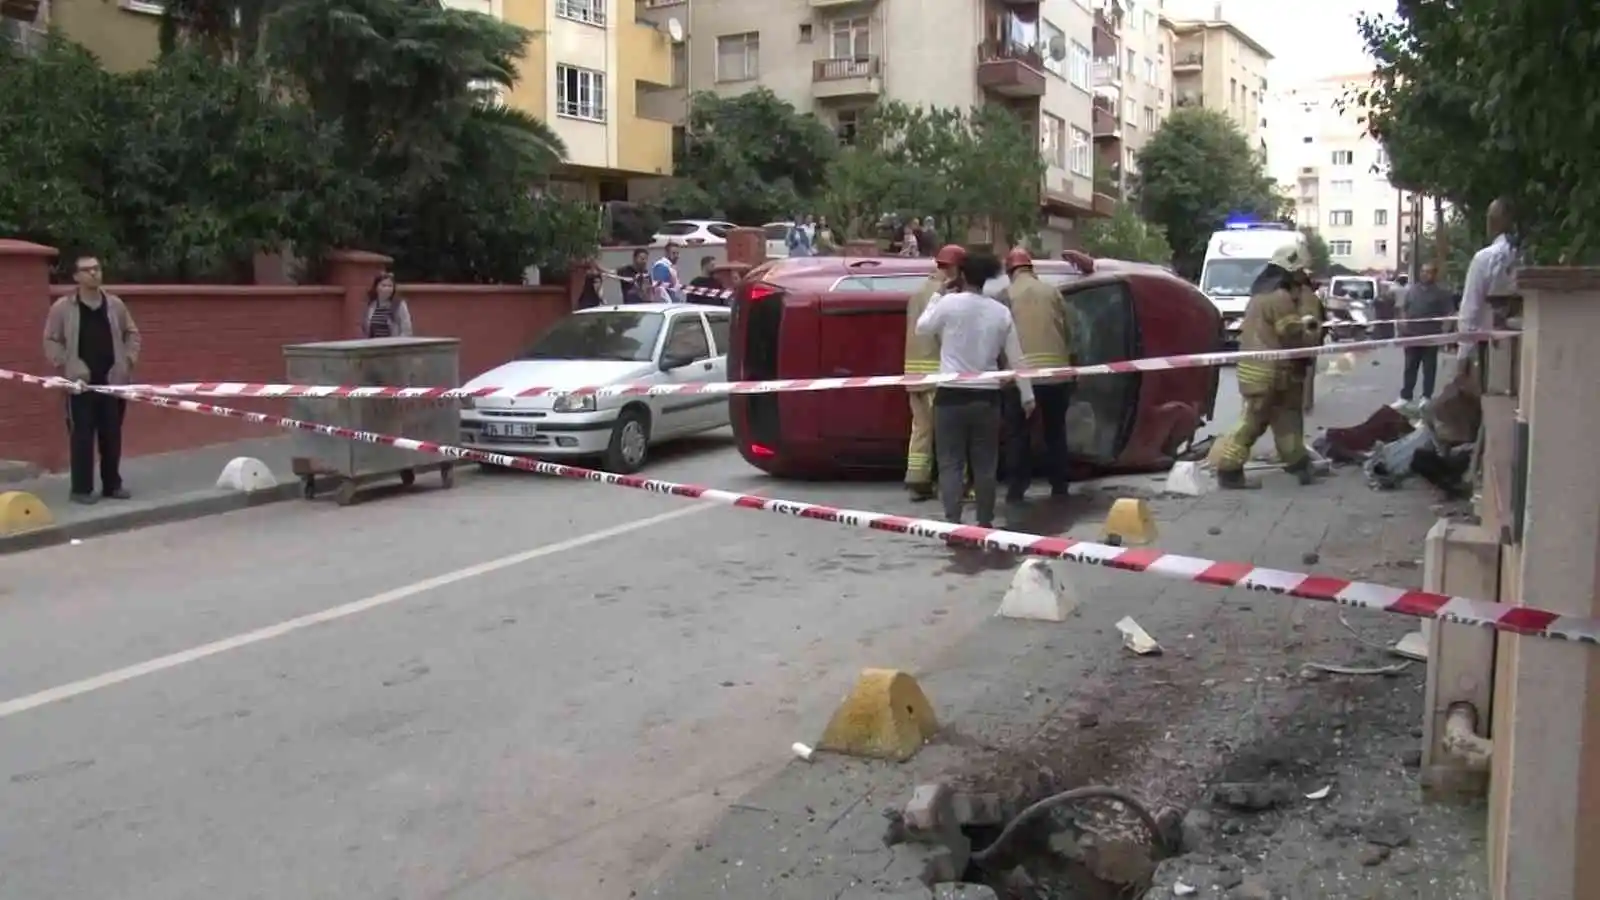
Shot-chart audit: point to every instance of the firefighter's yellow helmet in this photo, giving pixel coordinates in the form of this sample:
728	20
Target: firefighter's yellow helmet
1291	258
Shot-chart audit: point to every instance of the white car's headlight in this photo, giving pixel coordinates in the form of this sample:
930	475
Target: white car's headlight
468	403
574	403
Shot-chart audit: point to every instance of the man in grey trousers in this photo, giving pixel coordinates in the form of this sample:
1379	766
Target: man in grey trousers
976	334
1427	299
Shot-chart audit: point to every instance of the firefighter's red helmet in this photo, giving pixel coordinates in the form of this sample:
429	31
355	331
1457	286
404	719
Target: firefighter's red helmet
950	255
1017	258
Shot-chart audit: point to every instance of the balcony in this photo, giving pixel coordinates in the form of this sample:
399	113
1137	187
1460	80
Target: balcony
859	76
22	10
662	4
1011	70
1107	74
833	4
1185	63
1185	99
1107	125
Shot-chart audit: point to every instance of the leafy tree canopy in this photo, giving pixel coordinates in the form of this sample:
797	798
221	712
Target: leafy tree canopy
1475	99
963	168
1194	173
1125	236
749	158
363	123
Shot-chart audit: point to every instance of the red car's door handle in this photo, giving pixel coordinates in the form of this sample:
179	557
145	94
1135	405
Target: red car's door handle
841	373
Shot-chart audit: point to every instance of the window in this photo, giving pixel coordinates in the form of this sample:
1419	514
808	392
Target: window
1103	329
1149	119
739	56
846	123
580	93
1082	66
1050	35
1344	157
719	323
680	64
687	340
852	38
1380	217
1131	163
1078	155
1341	217
1380	247
1149	22
1342	186
1338	248
1307	139
1149	70
1053	144
590	11
1130	69
1130	111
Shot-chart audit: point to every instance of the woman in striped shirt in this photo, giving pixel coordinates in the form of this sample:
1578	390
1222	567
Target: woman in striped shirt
387	315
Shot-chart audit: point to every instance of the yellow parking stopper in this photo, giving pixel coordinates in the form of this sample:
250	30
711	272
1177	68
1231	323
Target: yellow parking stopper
885	716
21	511
1131	520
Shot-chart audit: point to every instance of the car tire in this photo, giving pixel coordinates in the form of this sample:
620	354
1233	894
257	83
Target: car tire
630	442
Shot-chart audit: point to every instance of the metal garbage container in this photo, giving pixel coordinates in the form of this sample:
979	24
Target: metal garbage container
388	362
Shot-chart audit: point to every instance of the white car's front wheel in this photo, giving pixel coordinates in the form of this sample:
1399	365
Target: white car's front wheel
630	442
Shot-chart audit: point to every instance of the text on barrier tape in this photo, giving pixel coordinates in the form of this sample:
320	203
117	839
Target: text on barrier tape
1151	364
1523	620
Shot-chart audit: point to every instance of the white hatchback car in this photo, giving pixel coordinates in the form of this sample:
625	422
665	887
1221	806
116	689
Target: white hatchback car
641	343
692	233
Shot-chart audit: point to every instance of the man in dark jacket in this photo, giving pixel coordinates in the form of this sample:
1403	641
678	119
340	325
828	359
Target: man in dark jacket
1427	299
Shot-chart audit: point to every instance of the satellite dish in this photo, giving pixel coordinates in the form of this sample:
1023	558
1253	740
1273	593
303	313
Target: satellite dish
1057	49
675	30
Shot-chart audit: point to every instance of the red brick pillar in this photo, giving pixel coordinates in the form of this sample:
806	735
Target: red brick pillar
748	246
354	271
860	248
32	420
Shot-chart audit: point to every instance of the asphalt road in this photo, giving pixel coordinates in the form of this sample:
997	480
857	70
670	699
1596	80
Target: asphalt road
519	688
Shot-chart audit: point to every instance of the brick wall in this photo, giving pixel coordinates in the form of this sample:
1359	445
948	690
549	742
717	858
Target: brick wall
229	333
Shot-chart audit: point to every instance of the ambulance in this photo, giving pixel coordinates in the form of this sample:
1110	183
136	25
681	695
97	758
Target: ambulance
1234	257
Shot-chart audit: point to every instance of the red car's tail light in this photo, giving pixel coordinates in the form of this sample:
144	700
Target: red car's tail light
761	291
762	451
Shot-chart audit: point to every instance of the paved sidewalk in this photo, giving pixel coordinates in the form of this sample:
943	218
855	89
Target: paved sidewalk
166	487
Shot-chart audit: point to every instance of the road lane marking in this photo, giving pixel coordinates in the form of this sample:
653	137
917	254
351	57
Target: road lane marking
333	614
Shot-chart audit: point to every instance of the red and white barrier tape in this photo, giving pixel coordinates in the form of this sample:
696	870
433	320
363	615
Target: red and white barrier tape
1524	620
1152	364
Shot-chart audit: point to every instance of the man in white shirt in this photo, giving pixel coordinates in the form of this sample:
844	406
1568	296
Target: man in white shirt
976	335
1491	273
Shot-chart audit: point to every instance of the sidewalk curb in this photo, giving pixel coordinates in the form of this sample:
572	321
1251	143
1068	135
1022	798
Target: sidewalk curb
193	505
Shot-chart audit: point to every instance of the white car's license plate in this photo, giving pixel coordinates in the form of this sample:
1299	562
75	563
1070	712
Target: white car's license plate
509	429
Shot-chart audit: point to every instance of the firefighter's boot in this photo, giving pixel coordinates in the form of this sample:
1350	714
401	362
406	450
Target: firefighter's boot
1302	471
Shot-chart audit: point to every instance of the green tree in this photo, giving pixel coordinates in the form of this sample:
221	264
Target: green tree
1126	236
212	166
1476	99
52	148
749	158
963	168
1321	259
1194	173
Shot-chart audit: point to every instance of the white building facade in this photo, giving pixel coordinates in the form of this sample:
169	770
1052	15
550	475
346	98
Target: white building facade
1337	176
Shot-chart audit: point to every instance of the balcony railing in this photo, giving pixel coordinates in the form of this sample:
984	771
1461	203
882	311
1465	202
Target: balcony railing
1006	51
1189	60
663	4
1188	99
841	69
1107	73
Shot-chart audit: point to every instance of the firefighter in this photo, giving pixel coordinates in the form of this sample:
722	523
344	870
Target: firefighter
1045	334
922	358
1283	314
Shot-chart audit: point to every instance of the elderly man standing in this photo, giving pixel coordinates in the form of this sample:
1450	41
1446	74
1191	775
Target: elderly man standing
90	337
1491	273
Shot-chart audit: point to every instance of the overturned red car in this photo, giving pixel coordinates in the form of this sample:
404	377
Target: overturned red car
821	317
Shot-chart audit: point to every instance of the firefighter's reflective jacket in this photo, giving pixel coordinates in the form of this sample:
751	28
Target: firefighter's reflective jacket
1043	328
1276	320
922	351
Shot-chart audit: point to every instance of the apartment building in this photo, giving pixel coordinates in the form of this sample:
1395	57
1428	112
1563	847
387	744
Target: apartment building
1336	174
1133	85
1215	65
124	34
836	58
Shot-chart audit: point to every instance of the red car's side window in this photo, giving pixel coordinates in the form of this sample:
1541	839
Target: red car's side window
1104	407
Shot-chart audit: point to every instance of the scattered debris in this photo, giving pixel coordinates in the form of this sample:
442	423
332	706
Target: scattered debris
803	751
1321	793
1413	646
1395	669
1137	639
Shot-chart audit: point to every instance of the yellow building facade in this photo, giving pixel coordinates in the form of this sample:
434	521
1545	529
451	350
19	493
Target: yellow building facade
588	65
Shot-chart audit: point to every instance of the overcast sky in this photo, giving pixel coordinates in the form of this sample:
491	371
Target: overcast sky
1310	39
